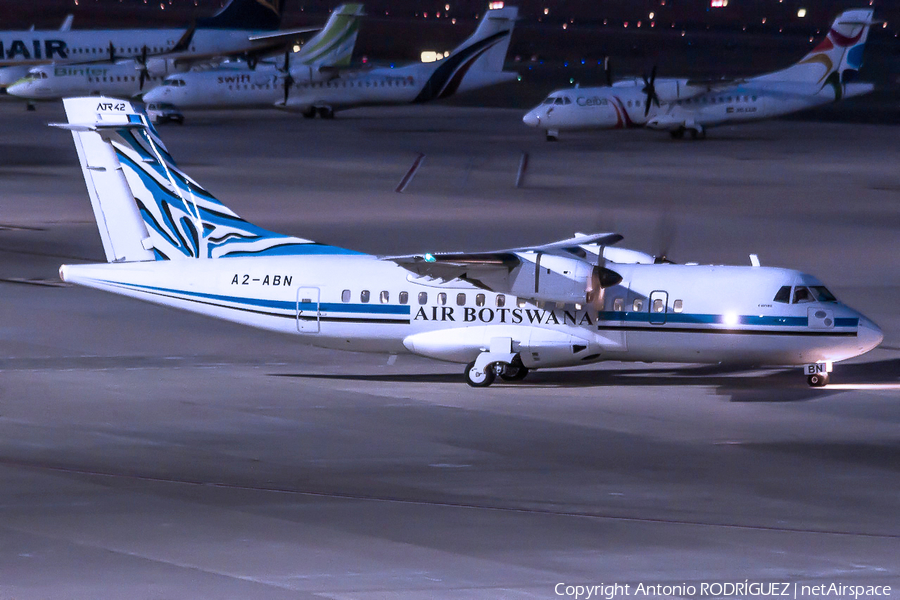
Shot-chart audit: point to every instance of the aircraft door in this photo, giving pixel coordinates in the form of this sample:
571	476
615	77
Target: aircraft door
308	310
658	307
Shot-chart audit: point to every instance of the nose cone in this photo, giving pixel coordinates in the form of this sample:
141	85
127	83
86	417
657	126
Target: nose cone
869	335
18	89
532	119
154	95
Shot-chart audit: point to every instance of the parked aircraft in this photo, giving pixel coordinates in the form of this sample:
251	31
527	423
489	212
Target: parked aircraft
128	78
682	105
242	28
169	241
10	75
477	62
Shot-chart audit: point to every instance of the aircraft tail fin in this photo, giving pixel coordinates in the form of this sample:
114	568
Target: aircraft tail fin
333	46
837	58
148	209
476	62
246	14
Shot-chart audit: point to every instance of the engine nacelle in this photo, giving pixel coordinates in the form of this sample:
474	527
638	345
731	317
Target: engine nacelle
553	278
160	67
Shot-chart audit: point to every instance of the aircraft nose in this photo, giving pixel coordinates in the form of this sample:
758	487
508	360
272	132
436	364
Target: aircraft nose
532	119
869	335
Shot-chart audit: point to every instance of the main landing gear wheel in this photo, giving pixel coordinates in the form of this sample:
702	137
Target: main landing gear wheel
325	112
476	379
552	135
512	373
817	380
308	113
677	134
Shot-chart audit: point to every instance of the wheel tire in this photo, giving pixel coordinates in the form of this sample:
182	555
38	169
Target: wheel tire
325	113
486	379
817	380
677	134
552	138
514	373
309	114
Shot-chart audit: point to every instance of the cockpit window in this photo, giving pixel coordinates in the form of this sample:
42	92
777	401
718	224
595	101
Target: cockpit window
549	100
822	294
784	294
568	100
558	101
174	82
801	295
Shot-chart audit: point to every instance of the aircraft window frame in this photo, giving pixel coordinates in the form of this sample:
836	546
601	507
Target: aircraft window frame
461	299
677	306
822	293
442	298
479	300
384	297
364	296
798	292
618	304
346	295
423	298
783	295
403	298
637	305
500	300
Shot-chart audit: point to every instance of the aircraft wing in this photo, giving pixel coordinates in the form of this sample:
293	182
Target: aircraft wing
452	265
283	36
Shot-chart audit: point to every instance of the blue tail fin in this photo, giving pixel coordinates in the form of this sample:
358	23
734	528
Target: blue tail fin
146	207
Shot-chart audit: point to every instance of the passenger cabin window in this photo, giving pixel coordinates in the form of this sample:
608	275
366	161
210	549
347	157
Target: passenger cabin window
783	295
460	299
520	302
658	305
345	296
637	305
677	306
404	297
802	295
479	300
442	298
501	300
618	304
364	296
384	297
423	297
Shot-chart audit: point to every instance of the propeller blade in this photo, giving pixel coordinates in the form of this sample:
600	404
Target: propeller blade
112	52
142	77
664	236
608	71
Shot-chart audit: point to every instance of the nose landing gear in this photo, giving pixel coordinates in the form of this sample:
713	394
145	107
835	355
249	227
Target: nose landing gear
499	361
817	373
818	380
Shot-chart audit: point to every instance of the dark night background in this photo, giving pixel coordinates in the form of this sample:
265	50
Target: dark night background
684	38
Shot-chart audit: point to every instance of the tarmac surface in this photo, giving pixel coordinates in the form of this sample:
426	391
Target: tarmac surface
149	453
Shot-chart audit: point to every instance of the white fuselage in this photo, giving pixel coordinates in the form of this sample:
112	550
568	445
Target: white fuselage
618	107
52	82
245	88
677	313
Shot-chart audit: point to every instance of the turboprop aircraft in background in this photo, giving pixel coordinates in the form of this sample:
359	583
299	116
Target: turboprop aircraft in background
9	75
169	241
476	63
245	28
682	105
333	45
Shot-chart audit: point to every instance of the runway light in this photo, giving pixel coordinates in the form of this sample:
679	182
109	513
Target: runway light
652	15
801	13
495	5
546	11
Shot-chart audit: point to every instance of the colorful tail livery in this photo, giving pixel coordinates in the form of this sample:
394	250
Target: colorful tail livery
838	56
146	208
333	46
476	62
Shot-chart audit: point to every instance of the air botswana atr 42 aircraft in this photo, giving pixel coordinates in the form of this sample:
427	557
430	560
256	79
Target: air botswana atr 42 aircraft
573	302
